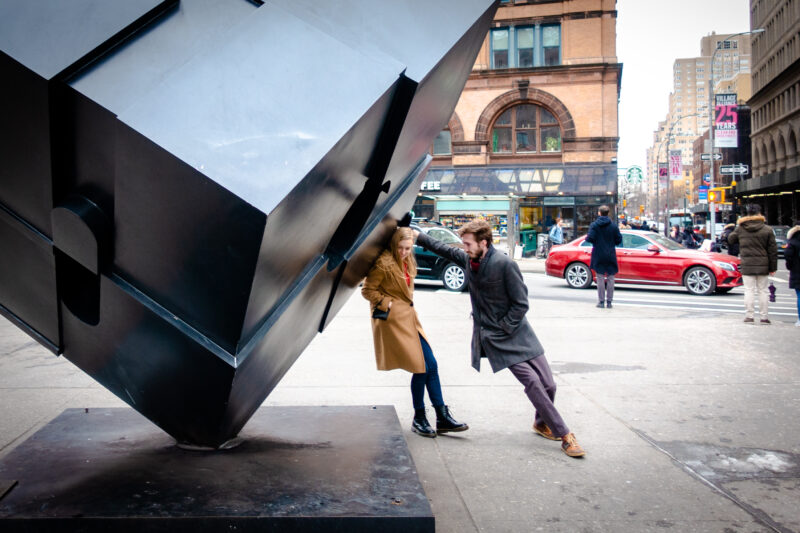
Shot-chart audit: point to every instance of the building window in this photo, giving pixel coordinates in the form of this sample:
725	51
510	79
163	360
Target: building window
441	144
526	129
526	46
500	48
551	44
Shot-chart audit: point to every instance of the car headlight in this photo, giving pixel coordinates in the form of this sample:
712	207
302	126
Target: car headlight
725	266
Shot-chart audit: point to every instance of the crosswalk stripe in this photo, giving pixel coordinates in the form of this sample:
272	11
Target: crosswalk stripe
738	305
736	311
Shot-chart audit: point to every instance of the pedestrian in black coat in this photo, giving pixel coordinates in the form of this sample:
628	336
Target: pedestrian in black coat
689	239
604	236
733	249
792	256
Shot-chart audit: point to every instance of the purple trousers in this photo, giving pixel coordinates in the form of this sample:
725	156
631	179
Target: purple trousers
536	377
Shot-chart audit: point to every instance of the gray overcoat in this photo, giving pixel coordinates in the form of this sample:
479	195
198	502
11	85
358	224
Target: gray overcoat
500	331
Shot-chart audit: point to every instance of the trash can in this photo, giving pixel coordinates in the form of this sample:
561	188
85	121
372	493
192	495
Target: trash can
527	239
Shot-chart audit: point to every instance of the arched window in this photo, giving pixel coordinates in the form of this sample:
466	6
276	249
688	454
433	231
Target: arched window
526	129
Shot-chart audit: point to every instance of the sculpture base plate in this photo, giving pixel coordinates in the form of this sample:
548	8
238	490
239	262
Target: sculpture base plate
298	469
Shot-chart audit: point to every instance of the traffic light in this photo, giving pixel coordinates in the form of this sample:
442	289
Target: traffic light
716	195
641	208
624	203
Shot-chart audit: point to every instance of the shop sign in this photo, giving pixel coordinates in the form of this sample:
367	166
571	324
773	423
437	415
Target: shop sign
431	186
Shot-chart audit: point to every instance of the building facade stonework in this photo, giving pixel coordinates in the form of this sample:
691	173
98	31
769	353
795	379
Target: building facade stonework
775	106
534	135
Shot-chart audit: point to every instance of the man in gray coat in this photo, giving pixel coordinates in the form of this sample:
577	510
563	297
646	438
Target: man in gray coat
501	333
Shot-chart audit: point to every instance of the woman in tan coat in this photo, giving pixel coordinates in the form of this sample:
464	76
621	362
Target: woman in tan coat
399	339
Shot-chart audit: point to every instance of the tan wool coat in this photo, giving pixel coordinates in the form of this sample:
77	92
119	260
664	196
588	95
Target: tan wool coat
396	339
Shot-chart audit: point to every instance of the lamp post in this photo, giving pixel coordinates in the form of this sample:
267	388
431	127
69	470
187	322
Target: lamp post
712	208
658	165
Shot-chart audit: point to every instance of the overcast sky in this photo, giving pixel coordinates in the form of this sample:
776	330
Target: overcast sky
651	35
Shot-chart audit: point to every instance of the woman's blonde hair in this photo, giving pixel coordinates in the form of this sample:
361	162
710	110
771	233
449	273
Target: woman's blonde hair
404	234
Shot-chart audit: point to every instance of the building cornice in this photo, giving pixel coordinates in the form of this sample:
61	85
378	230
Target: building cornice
556	69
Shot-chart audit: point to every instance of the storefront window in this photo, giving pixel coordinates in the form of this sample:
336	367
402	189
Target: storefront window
584	215
525	125
530	218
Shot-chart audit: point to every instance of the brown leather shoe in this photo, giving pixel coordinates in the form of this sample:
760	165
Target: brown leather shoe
545	431
748	320
570	446
765	321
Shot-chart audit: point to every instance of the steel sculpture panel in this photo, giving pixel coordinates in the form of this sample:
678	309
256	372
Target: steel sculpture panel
190	190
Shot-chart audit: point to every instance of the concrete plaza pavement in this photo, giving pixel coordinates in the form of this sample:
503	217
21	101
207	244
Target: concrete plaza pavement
690	419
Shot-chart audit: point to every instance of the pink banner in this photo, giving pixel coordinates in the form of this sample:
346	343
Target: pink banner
675	167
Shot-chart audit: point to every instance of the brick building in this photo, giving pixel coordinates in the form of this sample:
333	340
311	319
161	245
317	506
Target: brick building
534	135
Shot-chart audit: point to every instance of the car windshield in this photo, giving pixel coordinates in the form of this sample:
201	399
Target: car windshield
669	244
444	235
780	231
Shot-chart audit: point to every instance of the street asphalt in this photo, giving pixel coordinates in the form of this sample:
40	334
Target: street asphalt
689	417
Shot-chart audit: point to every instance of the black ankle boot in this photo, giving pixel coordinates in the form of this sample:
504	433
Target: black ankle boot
446	423
420	424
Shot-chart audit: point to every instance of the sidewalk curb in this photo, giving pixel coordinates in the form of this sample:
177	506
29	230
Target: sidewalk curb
531	265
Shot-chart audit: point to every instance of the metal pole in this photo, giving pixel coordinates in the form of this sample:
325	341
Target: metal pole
712	207
711	105
658	187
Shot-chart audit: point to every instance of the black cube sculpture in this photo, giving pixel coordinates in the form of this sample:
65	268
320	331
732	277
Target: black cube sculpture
190	191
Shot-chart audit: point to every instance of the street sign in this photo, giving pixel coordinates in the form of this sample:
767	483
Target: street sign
734	169
706	179
709	157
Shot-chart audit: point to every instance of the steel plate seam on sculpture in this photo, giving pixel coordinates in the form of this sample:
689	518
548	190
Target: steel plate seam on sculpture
172	319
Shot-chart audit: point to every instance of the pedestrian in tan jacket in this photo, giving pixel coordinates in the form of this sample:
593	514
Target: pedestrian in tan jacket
399	339
758	254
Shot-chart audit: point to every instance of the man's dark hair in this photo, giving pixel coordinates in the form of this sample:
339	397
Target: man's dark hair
604	210
479	228
753	209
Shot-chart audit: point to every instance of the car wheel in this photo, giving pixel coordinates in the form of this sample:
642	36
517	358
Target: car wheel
578	276
700	281
454	278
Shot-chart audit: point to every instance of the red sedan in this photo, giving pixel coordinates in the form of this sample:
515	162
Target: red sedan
647	258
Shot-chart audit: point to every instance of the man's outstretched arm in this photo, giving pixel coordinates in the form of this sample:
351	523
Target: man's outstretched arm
441	249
